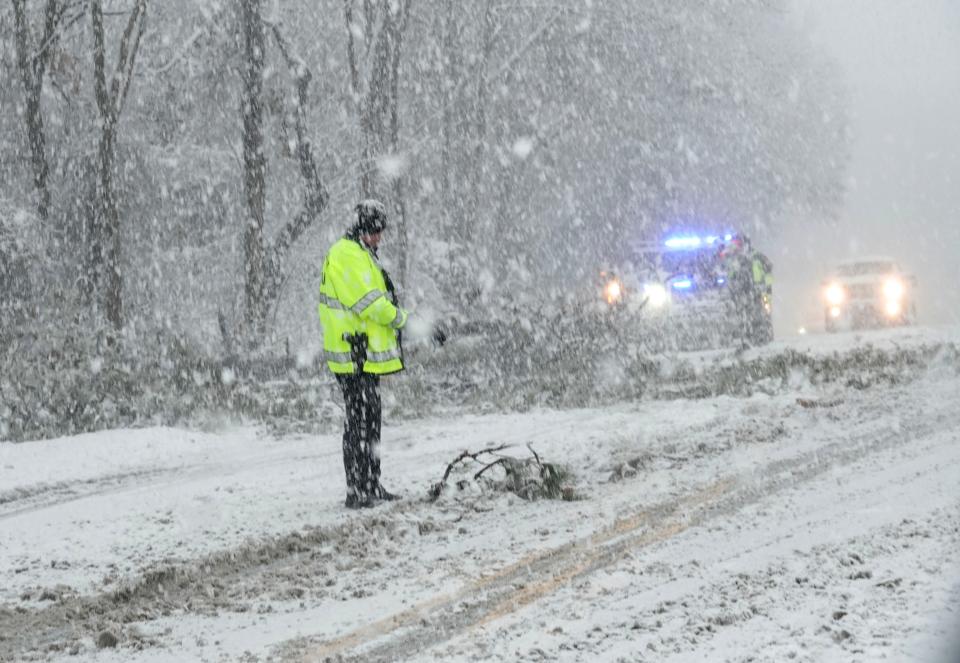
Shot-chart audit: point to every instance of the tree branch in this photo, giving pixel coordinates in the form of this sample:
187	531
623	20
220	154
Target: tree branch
128	54
352	49
53	16
316	196
473	455
21	31
537	457
99	66
368	11
498	461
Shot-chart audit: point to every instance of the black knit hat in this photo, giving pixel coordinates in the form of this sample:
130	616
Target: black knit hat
371	217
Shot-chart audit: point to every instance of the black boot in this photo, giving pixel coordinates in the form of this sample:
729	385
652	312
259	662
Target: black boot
381	493
354	501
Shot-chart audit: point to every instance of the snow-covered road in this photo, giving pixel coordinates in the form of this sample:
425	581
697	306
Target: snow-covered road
811	524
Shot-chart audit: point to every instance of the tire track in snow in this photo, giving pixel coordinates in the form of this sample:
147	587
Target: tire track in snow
46	495
31	499
442	617
695	609
50	495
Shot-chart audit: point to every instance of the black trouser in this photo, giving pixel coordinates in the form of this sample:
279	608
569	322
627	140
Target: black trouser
361	433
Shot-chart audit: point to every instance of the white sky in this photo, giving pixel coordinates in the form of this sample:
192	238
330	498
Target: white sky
901	63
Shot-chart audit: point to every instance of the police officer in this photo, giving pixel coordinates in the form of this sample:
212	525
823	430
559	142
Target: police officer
762	272
761	269
361	322
748	275
737	265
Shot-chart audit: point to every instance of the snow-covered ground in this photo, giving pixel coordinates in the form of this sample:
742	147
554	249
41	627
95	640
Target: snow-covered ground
816	523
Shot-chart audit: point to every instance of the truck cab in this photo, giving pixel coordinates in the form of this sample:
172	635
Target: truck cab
868	292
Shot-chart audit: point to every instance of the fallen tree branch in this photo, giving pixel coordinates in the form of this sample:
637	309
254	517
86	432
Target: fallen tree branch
467	454
529	478
499	461
530	447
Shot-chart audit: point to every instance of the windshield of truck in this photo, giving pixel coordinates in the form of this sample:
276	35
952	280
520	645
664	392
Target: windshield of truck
864	268
702	264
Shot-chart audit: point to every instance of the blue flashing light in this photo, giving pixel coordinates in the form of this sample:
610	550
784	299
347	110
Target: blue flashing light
721	280
683	284
693	242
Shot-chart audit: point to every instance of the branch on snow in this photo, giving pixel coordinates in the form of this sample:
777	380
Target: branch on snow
529	478
437	488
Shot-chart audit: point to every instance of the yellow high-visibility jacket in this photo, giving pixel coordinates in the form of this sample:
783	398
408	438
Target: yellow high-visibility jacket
353	301
761	275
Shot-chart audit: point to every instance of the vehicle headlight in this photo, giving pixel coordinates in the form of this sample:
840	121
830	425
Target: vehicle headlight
835	294
613	292
656	294
892	308
893	289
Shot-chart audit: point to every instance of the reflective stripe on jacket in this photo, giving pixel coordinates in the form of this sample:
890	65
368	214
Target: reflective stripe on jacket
353	301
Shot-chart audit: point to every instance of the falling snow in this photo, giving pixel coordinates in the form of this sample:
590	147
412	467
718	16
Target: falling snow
682	273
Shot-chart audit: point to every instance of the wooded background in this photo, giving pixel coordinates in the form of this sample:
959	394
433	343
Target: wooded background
183	165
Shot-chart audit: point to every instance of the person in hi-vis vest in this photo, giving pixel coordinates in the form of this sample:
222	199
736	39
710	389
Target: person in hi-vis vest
362	323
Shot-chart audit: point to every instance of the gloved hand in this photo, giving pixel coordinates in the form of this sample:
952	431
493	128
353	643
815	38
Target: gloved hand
439	334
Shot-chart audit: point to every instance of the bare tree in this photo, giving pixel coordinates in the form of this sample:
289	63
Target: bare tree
396	30
374	52
110	102
264	261
32	62
254	163
316	195
488	40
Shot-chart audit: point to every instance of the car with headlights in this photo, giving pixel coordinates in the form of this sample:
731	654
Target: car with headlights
678	290
868	293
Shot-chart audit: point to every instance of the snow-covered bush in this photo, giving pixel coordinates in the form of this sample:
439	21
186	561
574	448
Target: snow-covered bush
66	379
71	381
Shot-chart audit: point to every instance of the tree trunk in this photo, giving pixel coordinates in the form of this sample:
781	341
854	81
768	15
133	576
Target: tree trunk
109	232
36	136
110	104
32	63
450	52
397	28
255	166
375	108
477	170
